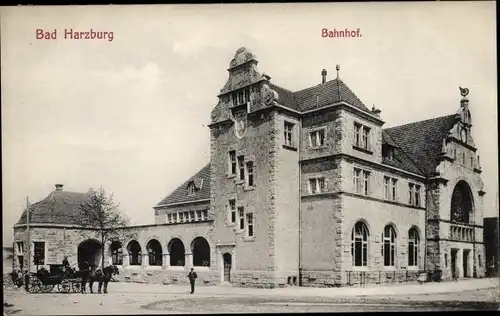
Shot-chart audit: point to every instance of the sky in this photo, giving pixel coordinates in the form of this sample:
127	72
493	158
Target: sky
130	115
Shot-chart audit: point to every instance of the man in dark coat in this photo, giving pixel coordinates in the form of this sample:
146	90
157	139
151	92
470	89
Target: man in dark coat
192	277
65	265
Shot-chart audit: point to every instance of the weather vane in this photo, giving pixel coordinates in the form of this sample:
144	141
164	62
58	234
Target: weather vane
463	91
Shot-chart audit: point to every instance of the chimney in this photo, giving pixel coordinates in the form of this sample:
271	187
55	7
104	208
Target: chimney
323	76
59	187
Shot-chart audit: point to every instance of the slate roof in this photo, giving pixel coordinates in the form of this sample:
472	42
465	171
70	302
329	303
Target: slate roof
318	96
180	195
422	141
59	207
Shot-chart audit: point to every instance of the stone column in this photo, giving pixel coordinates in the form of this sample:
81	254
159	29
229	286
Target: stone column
126	259
221	265
145	260
188	261
166	260
459	263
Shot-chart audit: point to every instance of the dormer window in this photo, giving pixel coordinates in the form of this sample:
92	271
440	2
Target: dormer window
191	189
388	152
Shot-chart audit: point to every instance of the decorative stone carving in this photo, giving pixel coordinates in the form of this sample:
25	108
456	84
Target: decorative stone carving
269	95
240	121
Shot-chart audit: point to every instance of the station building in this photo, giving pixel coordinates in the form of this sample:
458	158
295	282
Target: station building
302	188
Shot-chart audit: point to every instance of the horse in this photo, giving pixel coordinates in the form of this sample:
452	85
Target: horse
101	276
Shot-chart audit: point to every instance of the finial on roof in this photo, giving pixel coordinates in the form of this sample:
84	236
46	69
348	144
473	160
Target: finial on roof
338	69
464	92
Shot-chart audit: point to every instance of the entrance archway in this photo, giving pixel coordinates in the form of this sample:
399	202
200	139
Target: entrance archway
461	203
227	259
89	250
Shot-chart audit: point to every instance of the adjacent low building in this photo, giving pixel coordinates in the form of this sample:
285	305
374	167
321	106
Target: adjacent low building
302	188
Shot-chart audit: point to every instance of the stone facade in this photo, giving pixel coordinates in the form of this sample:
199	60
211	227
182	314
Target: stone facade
307	188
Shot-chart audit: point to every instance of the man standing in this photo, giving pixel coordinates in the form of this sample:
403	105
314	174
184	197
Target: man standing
192	277
65	264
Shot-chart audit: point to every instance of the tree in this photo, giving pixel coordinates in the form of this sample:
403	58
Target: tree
99	214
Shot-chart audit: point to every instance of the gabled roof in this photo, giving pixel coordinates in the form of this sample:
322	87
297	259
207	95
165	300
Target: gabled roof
180	195
60	207
422	141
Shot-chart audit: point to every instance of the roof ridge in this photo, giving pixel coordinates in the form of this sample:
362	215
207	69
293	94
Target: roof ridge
417	122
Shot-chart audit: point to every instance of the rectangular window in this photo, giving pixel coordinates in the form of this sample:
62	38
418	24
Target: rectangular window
312	186
471	162
366	182
204	215
241	214
250	225
357	180
241	97
387	191
366	139
317	185
411	190
39	253
417	195
232	161
317	138
241	165
232	211
288	134
394	190
250	173
168	218
191	216
20	247
357	135
181	217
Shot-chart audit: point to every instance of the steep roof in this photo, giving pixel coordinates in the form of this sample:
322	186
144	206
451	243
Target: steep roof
422	140
180	195
327	93
318	96
59	207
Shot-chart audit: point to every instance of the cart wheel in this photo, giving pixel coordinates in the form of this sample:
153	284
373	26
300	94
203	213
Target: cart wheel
35	285
65	286
76	286
46	288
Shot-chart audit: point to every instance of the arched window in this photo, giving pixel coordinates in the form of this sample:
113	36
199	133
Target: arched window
154	252
389	246
461	203
116	253
413	242
201	252
177	252
135	253
359	245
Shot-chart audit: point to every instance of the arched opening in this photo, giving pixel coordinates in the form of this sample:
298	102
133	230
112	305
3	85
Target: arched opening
413	245
461	203
154	252
177	252
116	252
90	251
389	246
201	252
135	253
359	244
227	266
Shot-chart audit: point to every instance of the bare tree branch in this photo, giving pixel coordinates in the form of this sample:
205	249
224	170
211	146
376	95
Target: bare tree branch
100	214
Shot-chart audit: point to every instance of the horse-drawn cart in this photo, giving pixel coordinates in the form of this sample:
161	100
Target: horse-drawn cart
44	281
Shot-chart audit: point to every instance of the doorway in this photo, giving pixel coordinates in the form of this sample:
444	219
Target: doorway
465	263
227	266
89	250
454	263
